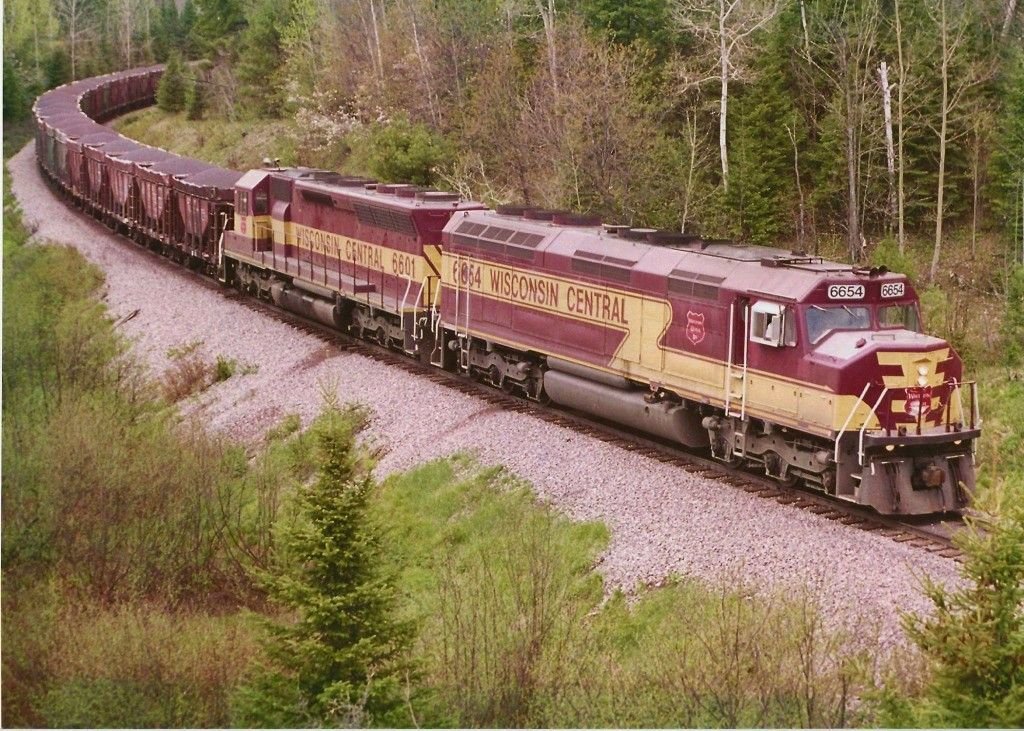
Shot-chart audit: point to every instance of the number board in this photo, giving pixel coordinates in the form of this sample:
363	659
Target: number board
846	291
893	289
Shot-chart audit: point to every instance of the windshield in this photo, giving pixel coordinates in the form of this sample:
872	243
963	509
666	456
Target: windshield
903	316
823	320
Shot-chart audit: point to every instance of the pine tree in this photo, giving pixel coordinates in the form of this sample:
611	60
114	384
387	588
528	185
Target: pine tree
195	102
186	23
627	22
16	101
1013	323
261	58
170	92
1007	168
342	660
974	642
760	196
216	24
167	36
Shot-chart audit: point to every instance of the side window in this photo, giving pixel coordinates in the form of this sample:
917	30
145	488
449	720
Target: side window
772	324
261	203
243	202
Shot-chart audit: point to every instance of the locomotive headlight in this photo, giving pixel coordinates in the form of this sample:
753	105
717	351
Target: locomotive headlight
922	375
922	370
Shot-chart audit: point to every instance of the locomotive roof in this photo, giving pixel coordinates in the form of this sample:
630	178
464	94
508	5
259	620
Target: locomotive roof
760	270
365	190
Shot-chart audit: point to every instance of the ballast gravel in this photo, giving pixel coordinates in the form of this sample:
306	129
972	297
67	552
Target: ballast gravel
663	520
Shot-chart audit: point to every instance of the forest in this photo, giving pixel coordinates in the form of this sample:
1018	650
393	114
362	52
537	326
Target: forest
824	125
174	578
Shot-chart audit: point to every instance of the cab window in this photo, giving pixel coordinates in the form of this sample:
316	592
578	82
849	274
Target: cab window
901	316
772	324
243	202
261	203
823	320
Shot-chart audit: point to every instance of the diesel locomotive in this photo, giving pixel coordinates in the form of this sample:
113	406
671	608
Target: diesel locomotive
810	370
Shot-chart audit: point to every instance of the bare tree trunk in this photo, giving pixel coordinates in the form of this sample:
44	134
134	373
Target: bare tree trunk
723	107
1011	7
943	130
890	155
691	134
729	25
900	198
424	68
801	233
547	16
377	56
807	35
852	217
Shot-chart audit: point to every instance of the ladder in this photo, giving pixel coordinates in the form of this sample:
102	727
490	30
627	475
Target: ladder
463	337
736	372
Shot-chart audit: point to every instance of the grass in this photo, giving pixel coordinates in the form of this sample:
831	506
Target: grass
516	630
239	145
16	136
131	539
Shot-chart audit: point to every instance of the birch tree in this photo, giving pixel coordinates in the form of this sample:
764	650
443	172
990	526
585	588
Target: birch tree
958	75
901	87
890	153
546	9
76	17
845	42
727	25
1009	9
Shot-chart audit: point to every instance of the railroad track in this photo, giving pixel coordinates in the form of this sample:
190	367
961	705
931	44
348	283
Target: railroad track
933	537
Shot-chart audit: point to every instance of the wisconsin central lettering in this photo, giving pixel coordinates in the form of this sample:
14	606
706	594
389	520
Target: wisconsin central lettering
523	288
340	247
596	305
591	304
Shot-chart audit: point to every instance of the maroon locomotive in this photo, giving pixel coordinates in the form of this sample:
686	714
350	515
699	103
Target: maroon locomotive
810	370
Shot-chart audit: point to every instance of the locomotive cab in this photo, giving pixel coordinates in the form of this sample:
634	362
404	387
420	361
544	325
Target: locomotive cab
838	353
902	421
252	210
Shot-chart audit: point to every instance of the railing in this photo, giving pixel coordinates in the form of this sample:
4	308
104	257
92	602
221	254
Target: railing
891	421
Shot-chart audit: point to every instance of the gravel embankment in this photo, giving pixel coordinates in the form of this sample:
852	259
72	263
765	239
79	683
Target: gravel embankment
663	521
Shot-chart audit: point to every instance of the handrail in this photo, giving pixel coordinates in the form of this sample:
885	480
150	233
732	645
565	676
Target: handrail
849	418
874	409
728	365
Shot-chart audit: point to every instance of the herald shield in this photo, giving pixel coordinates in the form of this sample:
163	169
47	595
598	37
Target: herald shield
695	327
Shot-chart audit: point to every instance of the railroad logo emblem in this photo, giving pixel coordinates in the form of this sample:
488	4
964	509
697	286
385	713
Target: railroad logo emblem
695	326
919	401
242	223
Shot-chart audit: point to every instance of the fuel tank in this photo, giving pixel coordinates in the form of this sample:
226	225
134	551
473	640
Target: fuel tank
627	407
303	303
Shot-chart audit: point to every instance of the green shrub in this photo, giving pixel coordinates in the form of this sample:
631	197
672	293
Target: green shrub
170	92
887	254
143	667
1013	322
224	368
343	660
195	98
400	151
